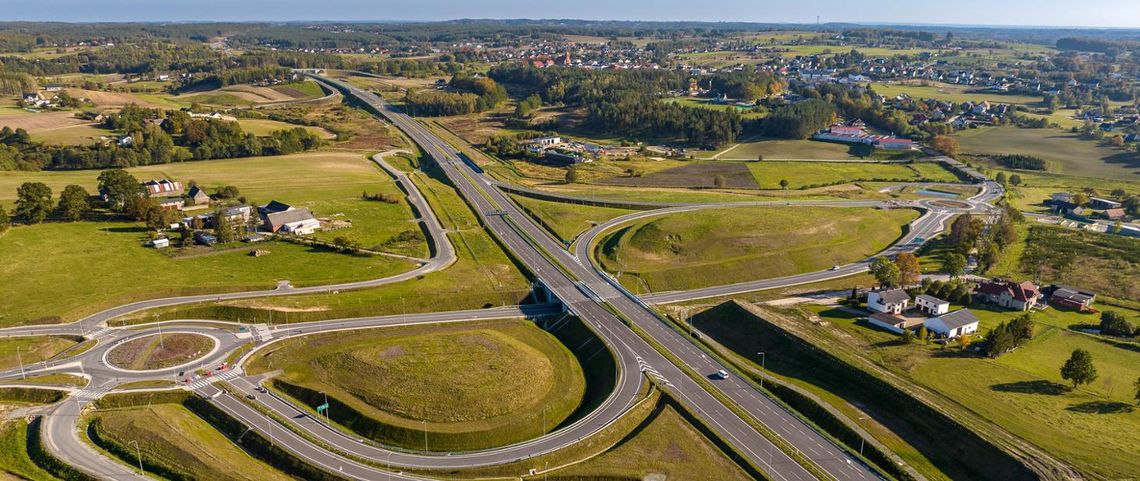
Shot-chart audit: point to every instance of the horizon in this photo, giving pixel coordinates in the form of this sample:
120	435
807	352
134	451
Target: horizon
1092	14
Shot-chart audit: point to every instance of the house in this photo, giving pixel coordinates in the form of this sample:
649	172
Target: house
238	214
125	141
1099	203
954	324
1071	298
171	203
893	301
931	305
293	221
202	238
1008	294
1114	214
1062	197
198	196
894	143
162	187
891	322
274	207
160	243
547	141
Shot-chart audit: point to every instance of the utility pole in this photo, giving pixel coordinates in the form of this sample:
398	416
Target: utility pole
138	452
161	342
425	436
763	360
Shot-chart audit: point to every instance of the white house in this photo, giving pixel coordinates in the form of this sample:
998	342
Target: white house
932	305
953	324
302	227
893	301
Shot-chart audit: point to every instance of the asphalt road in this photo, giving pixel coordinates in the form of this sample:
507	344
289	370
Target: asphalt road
586	293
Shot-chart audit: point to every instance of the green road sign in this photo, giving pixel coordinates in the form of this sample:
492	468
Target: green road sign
322	407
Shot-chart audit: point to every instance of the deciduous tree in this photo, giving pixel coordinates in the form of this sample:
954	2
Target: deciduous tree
954	264
1079	369
73	203
909	271
33	202
119	186
946	145
885	271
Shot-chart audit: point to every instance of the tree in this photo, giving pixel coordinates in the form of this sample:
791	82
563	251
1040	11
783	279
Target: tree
33	202
885	271
1118	194
946	145
1114	324
924	335
1079	369
784	184
1015	179
909	271
1080	199
760	157
571	175
964	341
1137	386
954	264
5	221
73	204
119	186
907	336
228	192
1000	178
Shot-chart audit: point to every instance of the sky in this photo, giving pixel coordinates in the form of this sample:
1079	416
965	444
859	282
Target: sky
1085	13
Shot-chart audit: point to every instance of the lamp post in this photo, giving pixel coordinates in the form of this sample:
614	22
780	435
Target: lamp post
138	452
763	362
390	465
425	436
21	359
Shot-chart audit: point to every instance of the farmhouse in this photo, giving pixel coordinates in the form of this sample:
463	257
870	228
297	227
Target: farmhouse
1008	294
954	324
931	305
1071	298
892	301
292	221
1099	203
198	196
1114	214
894	143
274	207
546	141
171	203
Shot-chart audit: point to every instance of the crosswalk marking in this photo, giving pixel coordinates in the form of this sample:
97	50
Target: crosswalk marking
261	333
213	379
91	393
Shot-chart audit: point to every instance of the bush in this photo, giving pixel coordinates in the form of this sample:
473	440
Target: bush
1114	324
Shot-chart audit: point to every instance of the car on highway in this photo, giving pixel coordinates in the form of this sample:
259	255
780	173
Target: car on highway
835	267
721	374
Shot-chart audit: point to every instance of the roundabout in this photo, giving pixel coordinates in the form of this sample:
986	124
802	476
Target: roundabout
156	352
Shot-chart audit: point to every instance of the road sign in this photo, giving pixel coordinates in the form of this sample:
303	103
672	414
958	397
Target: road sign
322	407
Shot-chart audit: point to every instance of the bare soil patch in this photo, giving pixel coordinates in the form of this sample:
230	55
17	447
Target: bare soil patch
155	352
41	122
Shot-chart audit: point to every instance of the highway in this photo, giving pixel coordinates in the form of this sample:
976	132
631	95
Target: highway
591	295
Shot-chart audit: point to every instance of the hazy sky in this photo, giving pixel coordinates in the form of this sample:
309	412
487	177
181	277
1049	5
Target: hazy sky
1094	13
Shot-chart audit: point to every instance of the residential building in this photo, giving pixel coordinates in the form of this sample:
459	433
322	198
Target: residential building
931	305
547	141
891	322
274	207
171	203
894	143
1071	298
954	324
292	221
1114	214
1009	295
892	301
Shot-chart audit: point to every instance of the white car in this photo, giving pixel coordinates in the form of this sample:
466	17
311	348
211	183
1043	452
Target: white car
721	374
835	267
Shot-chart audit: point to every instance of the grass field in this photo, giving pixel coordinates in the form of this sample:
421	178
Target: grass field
951	93
565	220
173	438
803	174
266	127
1063	151
783	149
159	352
32	349
1093	427
470	385
711	247
666	446
15	464
329	183
699	103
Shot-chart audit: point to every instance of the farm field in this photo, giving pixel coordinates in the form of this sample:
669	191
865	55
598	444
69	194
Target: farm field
567	220
711	247
160	352
783	150
665	445
263	127
32	349
470	385
175	440
1063	151
812	174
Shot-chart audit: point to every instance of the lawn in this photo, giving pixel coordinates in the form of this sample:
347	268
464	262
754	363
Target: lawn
567	220
665	446
470	385
813	174
711	247
171	437
1103	263
262	127
159	351
328	183
783	150
32	349
1063	151
83	134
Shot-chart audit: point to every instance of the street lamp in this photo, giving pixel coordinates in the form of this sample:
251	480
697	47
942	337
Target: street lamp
425	436
763	362
390	465
21	359
138	452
